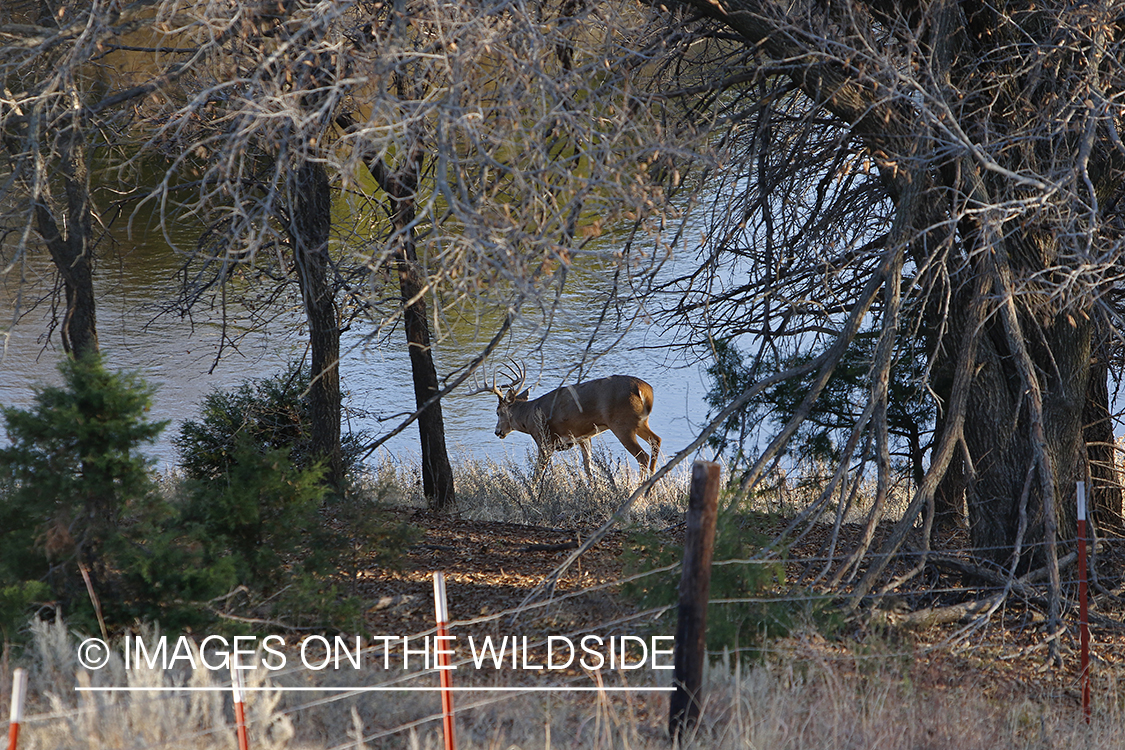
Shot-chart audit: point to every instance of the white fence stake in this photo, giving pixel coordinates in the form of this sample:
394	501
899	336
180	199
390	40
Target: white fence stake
1083	615
19	695
239	707
441	608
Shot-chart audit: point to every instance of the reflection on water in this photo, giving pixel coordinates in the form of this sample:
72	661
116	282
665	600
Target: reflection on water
179	355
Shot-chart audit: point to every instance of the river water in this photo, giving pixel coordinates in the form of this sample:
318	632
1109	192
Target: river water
136	278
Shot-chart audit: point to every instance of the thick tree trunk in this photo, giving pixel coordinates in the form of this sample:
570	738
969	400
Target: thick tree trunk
949	497
311	223
1004	490
72	251
1018	117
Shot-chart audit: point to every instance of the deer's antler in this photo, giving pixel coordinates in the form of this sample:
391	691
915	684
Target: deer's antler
515	371
519	376
486	387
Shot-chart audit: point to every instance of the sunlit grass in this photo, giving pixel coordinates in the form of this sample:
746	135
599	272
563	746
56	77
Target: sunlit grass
810	699
564	496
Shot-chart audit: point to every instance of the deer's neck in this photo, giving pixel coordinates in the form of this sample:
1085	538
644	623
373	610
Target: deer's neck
528	417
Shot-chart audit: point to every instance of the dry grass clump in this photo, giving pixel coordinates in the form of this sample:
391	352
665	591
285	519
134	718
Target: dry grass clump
60	716
860	703
808	700
563	496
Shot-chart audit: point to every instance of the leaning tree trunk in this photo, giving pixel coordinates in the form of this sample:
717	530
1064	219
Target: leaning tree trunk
72	250
311	223
437	473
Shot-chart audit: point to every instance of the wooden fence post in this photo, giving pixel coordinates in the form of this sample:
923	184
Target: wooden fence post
695	589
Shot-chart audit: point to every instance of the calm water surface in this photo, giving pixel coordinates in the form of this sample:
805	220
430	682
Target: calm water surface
179	354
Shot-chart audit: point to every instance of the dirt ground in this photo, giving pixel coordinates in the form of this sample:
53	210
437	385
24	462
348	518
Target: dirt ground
492	568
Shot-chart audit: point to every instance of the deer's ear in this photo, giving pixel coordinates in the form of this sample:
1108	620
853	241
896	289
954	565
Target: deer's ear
523	396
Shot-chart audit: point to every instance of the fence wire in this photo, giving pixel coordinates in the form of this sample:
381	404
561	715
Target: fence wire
52	706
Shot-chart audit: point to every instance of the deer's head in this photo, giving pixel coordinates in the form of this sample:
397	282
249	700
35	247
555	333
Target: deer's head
508	396
504	423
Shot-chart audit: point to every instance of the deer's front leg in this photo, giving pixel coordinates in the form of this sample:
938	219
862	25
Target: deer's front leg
584	446
543	459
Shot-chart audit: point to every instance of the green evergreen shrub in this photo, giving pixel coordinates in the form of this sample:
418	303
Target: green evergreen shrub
72	478
819	438
271	413
250	534
260	516
250	544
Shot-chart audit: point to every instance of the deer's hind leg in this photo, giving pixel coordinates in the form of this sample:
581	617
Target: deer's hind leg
629	440
646	433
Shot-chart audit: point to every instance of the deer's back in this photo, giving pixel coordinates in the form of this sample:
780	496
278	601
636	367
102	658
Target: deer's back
596	405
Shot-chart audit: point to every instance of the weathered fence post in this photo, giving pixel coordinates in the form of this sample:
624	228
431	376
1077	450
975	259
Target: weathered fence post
695	589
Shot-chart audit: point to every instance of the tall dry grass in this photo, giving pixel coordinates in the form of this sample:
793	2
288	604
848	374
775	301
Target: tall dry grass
803	698
510	491
808	701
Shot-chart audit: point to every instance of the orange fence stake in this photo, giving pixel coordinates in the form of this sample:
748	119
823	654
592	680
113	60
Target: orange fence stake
239	708
1083	615
19	695
442	610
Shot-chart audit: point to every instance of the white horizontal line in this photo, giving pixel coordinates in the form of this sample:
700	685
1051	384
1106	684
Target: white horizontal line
376	689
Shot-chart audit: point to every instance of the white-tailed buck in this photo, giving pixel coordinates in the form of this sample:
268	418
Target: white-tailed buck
573	414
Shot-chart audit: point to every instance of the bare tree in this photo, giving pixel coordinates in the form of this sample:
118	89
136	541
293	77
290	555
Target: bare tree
946	173
471	151
46	136
68	102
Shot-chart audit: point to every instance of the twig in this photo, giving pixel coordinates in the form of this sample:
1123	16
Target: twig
93	598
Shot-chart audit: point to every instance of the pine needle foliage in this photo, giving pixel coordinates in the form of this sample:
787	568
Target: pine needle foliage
74	475
271	413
